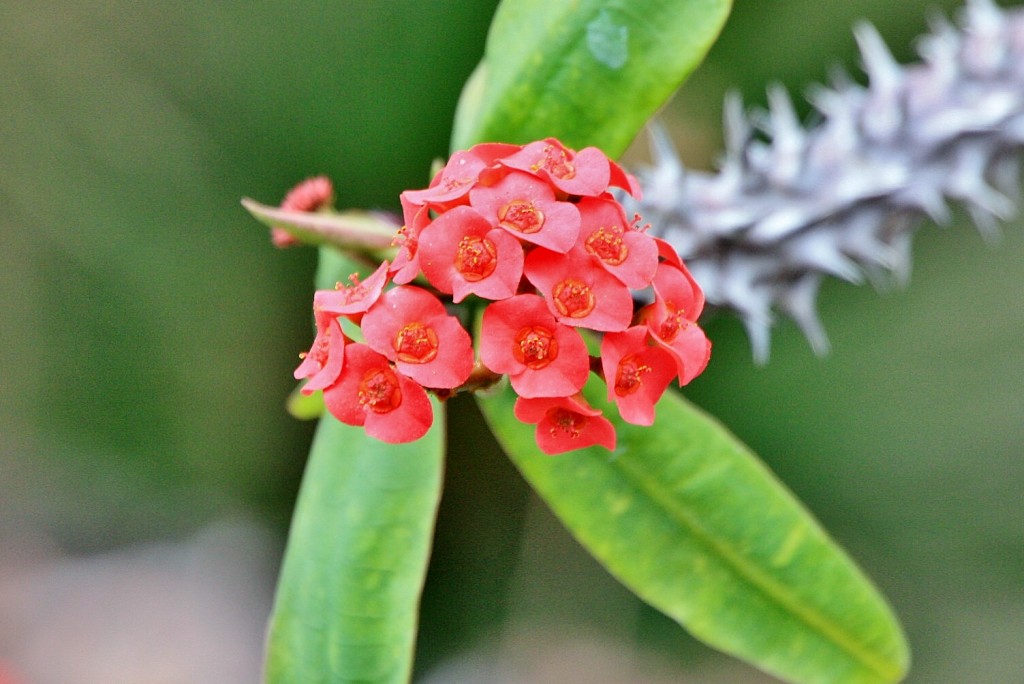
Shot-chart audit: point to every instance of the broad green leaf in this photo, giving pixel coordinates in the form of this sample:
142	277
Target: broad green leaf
589	72
347	600
685	516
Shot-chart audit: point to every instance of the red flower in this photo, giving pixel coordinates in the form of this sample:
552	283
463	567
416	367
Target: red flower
667	252
519	337
585	173
355	299
578	291
371	393
309	195
323	363
636	372
461	253
565	423
626	181
628	254
410	326
672	320
406	266
525	206
460	174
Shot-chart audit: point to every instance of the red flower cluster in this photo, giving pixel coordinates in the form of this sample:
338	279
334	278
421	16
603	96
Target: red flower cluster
535	230
410	343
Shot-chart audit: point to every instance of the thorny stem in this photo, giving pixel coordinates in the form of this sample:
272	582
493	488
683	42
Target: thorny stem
791	205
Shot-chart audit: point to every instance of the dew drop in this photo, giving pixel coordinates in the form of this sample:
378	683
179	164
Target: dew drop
608	41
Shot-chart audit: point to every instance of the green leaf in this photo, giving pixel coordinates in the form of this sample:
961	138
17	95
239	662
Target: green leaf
589	72
685	516
347	600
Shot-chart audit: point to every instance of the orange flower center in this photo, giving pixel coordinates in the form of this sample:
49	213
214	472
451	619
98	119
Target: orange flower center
556	163
476	258
521	216
629	376
606	244
379	391
536	347
416	343
354	292
565	421
573	298
449	183
673	323
404	239
319	351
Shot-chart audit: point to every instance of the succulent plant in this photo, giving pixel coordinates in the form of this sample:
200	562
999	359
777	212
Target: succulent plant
791	205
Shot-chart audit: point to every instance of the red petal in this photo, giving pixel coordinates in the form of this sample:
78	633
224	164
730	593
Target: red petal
565	423
586	173
402	413
626	181
605	234
355	298
323	371
443	245
408	422
503	333
578	291
443	355
637	374
553	224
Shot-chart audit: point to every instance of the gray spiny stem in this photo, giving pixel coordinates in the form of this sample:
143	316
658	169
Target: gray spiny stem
843	198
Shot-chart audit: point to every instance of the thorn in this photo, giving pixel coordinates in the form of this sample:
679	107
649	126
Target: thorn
986	225
759	332
841	81
966	181
927	198
818	250
901	243
736	127
663	151
983	15
982	7
1005	174
799	302
882	110
783	115
666	181
984	48
881	67
787	137
826	100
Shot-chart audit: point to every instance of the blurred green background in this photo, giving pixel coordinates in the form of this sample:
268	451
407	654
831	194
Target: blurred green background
148	331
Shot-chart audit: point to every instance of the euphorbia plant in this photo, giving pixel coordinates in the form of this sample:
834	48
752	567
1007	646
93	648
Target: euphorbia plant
517	275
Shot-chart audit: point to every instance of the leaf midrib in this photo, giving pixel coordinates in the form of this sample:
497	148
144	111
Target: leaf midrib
751	573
